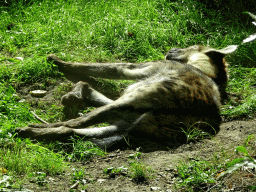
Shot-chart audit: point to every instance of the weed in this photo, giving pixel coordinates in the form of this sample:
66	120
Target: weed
248	140
196	174
83	150
140	172
78	175
38	177
136	155
246	161
127	142
194	133
112	171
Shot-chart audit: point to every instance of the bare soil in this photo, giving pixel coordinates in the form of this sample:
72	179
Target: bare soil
162	159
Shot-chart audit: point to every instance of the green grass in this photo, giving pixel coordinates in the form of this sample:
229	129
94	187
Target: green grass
242	83
202	175
140	172
104	31
83	150
21	159
196	174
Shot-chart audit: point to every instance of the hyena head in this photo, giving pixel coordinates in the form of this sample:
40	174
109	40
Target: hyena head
208	60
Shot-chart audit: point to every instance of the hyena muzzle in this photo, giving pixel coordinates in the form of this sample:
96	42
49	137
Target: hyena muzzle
186	88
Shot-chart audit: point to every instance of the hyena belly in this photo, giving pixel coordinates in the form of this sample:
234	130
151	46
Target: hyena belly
174	96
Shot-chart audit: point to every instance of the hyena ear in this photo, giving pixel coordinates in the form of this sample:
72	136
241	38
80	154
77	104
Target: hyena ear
224	51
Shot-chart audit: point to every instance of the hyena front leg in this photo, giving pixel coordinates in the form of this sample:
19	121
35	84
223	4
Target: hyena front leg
129	71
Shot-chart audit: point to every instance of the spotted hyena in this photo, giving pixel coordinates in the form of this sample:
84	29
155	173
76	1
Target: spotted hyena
186	88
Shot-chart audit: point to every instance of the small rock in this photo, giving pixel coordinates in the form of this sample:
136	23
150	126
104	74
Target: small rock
112	155
75	186
51	179
38	93
83	181
19	58
154	188
101	180
118	151
130	156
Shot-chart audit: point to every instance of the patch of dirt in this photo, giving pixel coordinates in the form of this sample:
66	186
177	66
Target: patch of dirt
161	159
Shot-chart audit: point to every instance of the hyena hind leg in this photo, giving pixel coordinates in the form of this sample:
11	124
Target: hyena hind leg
81	96
84	93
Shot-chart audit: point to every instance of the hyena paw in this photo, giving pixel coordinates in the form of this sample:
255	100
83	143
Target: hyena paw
25	132
72	98
51	58
76	96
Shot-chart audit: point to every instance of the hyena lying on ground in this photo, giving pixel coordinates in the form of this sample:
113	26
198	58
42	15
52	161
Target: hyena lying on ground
183	89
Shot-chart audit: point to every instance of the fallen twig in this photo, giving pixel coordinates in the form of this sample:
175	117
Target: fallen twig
38	118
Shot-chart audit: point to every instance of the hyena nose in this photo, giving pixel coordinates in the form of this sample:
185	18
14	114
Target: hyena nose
173	50
172	54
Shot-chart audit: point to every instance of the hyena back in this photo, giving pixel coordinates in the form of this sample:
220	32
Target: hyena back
186	88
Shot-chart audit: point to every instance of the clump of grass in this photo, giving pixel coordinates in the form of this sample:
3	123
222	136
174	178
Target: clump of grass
13	111
196	175
32	70
83	150
23	157
140	172
193	132
49	112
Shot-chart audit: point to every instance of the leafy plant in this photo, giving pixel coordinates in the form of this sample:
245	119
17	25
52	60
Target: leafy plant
112	171
39	178
248	140
78	175
136	155
246	161
196	174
